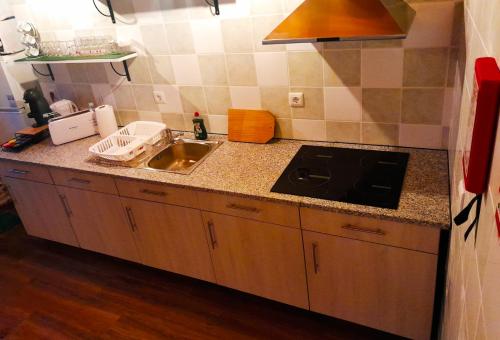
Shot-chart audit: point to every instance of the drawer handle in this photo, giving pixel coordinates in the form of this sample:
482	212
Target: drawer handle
211	232
364	230
131	219
153	192
65	204
242	207
315	257
18	172
80	181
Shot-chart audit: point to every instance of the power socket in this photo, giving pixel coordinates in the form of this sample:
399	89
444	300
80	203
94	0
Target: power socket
296	99
159	97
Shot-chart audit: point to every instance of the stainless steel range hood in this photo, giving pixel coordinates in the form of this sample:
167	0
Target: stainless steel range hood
344	20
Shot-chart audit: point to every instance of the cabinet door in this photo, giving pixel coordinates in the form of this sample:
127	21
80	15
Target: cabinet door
41	210
171	238
383	287
259	258
100	223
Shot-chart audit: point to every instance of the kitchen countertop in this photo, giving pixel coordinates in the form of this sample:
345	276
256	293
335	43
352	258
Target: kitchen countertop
251	170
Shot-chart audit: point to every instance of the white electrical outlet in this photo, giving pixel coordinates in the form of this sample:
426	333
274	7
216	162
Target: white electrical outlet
159	97
296	99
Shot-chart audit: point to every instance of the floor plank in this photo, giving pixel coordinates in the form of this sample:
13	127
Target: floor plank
53	291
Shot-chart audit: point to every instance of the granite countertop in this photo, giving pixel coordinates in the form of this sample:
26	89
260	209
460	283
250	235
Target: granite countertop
251	170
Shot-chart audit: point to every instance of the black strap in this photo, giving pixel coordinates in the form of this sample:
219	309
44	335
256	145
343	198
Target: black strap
463	216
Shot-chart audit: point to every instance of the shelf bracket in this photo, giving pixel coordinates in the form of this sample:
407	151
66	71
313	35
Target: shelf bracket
125	68
50	74
110	9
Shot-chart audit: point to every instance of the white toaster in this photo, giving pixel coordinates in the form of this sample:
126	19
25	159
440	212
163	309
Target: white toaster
72	127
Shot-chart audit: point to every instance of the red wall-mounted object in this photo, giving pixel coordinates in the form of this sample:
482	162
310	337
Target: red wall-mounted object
482	125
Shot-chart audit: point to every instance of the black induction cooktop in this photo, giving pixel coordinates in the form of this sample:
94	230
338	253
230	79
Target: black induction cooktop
365	177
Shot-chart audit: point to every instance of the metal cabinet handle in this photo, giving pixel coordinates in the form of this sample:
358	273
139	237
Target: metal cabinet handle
79	180
211	232
242	207
153	192
131	219
18	172
66	206
11	193
364	230
315	257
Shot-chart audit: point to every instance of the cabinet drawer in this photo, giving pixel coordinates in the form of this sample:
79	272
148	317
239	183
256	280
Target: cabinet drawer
21	170
250	208
156	192
373	230
83	180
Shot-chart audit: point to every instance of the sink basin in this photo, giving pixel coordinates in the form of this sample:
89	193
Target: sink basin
182	156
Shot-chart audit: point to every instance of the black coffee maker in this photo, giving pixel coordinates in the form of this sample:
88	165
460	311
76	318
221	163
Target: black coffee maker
38	106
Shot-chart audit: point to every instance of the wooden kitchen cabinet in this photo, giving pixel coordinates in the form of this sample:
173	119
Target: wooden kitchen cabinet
41	210
258	258
171	238
100	223
383	287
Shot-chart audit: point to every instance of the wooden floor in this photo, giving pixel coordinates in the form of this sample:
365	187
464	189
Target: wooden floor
53	291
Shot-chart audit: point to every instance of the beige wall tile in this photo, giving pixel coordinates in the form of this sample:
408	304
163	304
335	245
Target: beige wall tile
144	98
186	69
308	129
382	43
343	104
213	69
218	100
237	35
313	104
425	67
422	136
83	95
262	26
174	10
283	128
207	36
379	133
382	105
343	132
218	123
139	70
180	37
342	67
127	116
422	106
173	121
155	39
150	116
173	98
161	70
334	45
193	99
77	73
266	7
382	68
275	100
272	69
241	69
305	69
245	97
96	73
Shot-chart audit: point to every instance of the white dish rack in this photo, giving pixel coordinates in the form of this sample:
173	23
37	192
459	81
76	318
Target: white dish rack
130	141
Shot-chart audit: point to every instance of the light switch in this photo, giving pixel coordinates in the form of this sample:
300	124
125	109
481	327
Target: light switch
296	99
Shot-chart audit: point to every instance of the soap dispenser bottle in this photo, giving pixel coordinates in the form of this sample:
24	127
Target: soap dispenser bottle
200	131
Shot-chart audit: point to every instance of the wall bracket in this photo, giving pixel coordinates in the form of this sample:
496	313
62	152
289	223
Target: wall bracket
50	74
110	9
125	68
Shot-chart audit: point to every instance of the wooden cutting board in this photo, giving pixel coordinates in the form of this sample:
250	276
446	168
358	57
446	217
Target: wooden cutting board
252	126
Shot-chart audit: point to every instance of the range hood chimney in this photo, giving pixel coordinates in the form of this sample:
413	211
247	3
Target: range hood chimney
344	20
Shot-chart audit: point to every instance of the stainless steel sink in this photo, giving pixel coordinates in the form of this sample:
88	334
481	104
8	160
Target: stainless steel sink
182	156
